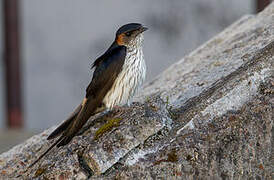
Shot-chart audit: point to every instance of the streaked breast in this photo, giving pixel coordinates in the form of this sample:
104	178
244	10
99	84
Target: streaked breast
128	81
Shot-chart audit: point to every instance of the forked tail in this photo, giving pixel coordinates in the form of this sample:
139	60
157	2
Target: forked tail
42	155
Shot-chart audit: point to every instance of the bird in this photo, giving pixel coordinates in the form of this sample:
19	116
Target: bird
117	76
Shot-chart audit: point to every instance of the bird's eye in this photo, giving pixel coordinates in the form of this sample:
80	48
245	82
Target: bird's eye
128	34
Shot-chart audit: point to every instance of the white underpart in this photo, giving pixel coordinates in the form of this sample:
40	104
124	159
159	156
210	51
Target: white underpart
130	78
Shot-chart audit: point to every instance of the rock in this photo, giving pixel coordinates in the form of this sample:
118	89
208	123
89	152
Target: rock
209	116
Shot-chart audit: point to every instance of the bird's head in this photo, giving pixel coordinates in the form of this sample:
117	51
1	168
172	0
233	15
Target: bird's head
130	35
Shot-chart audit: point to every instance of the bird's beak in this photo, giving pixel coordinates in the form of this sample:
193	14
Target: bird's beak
142	29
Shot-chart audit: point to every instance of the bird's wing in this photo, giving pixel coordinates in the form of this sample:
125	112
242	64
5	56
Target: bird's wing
65	124
104	76
107	69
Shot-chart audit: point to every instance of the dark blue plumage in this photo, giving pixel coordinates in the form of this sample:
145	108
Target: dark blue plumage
107	68
128	27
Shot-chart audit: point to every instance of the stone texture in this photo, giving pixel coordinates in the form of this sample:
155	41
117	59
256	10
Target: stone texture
209	116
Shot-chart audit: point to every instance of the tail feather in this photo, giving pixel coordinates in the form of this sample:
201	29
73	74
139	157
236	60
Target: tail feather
65	124
88	109
42	155
71	126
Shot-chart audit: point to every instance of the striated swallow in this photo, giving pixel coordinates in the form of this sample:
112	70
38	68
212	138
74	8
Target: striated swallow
118	74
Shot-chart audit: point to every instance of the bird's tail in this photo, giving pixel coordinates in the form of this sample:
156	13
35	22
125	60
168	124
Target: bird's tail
65	124
88	109
71	126
42	155
57	132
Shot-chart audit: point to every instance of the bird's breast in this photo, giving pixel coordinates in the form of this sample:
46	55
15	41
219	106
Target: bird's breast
128	81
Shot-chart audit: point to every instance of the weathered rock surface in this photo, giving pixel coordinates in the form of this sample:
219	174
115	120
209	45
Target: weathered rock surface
209	116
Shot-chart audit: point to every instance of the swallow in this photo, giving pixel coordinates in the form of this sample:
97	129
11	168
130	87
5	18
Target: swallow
118	74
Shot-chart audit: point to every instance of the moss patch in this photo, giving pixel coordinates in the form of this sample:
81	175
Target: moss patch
108	126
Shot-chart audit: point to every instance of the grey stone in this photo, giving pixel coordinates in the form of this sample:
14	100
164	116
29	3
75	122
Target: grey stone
209	116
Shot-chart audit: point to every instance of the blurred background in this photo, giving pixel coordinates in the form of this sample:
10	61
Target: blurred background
47	48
